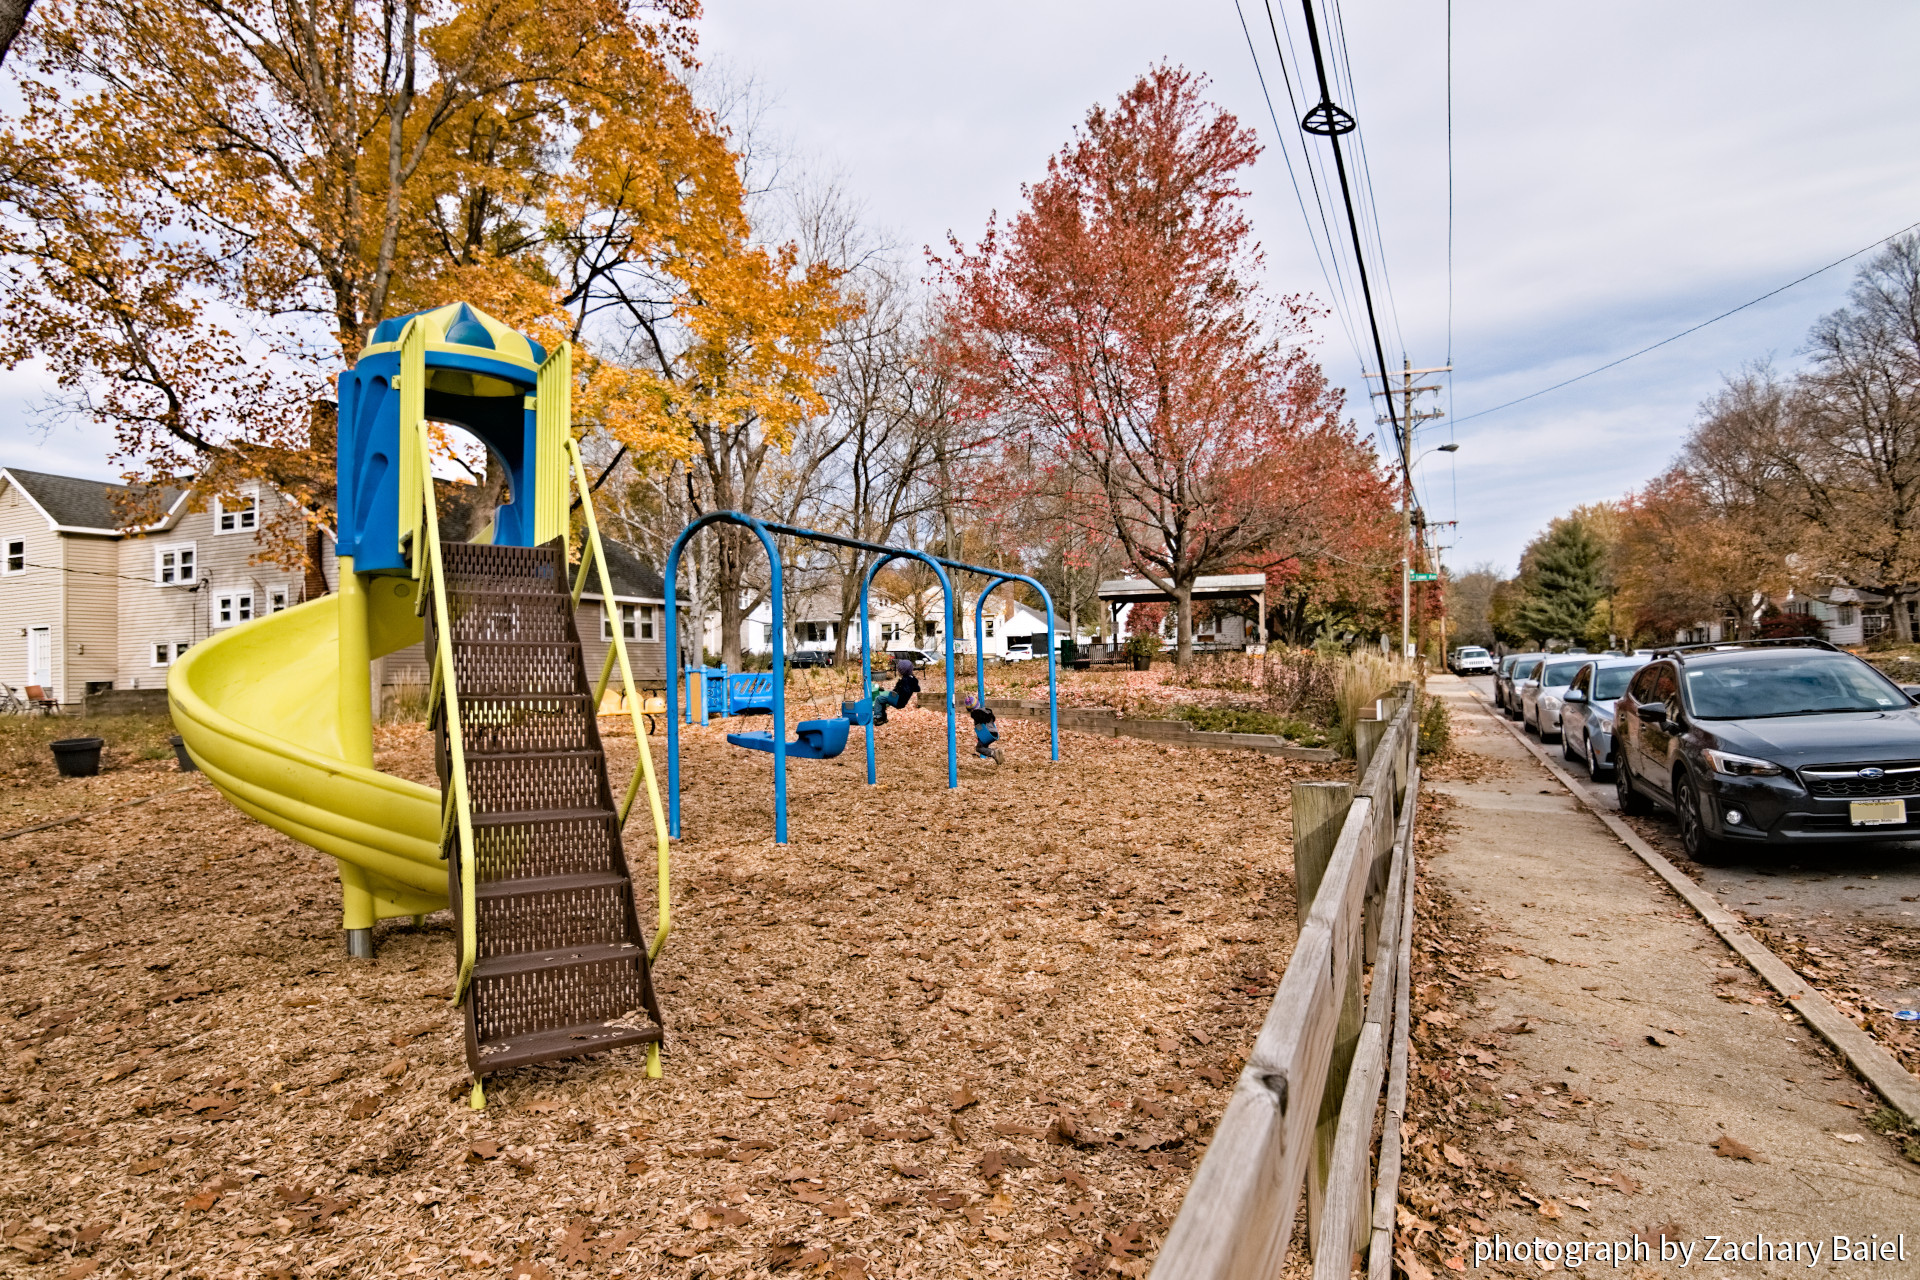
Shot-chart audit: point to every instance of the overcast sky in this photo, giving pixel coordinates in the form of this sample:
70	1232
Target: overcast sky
1620	173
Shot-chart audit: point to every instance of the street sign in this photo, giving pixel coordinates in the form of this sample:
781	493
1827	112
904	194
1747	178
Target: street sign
1423	577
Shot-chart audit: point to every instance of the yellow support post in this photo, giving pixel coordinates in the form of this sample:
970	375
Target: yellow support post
578	467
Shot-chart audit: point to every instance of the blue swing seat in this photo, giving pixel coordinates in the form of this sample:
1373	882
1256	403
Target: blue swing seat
818	740
860	712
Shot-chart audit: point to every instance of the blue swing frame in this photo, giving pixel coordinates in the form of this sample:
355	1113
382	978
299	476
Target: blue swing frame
765	530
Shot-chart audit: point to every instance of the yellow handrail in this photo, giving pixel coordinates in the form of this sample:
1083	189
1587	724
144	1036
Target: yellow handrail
447	687
595	551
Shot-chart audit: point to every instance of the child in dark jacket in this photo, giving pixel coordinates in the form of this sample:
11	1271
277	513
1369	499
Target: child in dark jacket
984	731
904	689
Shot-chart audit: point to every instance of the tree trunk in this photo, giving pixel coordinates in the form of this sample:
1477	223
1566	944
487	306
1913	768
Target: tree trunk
1183	603
13	16
727	585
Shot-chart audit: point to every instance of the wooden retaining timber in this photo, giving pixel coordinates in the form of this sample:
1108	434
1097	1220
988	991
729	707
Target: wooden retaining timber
1302	1114
1175	733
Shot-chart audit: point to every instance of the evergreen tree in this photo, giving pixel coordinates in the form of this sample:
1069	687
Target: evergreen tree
1564	576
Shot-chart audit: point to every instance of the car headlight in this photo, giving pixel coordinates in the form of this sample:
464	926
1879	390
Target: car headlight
1550	701
1729	765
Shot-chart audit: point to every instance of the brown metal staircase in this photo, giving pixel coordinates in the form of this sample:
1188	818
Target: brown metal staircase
560	964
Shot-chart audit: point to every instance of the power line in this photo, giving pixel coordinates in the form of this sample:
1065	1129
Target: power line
1334	296
1453	467
1344	305
1695	329
1331	121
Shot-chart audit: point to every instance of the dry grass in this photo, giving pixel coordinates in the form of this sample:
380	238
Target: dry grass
970	1033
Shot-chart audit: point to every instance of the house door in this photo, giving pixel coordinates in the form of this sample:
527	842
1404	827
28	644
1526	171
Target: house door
40	656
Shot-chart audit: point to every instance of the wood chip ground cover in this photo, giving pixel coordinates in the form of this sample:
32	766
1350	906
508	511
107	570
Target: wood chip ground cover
943	1034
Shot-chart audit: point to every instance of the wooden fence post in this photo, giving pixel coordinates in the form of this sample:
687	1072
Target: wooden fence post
1319	810
1366	740
1319	813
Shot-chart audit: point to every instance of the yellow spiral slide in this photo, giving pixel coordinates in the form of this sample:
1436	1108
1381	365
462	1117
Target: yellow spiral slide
263	711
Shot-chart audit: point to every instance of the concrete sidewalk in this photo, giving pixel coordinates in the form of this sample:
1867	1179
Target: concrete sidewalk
1624	994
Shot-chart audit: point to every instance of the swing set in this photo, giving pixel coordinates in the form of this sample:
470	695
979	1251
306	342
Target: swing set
826	738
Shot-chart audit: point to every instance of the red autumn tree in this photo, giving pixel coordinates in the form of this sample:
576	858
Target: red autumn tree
1114	342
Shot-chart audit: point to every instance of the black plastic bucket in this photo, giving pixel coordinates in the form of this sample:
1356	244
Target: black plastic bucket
180	754
78	757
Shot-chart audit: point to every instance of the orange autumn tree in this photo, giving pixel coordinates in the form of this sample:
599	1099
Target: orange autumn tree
1114	342
205	208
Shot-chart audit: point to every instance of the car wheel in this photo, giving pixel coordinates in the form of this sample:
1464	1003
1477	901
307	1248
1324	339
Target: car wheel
1529	725
1631	801
1594	768
1566	747
1694	837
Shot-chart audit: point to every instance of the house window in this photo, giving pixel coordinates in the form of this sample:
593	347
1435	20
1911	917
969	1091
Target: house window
166	652
173	565
646	622
626	623
16	557
989	622
816	632
1843	615
231	610
243	516
276	599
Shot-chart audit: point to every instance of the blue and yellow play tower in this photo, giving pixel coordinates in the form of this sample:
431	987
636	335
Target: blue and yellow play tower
524	838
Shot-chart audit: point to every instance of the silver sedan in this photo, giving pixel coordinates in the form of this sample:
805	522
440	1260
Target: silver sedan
1540	695
1586	712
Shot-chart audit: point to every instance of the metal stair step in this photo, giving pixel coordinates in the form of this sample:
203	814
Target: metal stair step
555	958
528	886
566	1042
539	817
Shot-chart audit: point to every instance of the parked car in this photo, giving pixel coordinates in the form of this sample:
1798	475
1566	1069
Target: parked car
810	657
1586	711
918	657
1776	742
1540	703
1019	653
1471	660
1503	676
1510	680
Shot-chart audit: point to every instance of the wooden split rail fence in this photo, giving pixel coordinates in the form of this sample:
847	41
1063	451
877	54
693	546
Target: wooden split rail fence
1304	1111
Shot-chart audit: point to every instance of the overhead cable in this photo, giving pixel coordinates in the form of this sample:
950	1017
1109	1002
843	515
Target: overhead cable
1612	364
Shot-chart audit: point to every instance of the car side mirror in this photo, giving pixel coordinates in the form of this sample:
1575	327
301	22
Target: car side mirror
1911	690
1652	712
1575	695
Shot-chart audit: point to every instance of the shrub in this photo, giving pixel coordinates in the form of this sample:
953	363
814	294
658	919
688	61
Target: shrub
1436	728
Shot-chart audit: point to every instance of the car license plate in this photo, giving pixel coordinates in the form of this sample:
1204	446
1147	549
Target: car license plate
1877	813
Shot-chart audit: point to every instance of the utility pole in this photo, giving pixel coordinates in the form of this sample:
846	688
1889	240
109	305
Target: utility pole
1406	421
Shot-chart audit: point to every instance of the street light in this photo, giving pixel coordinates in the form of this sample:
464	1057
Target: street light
1406	551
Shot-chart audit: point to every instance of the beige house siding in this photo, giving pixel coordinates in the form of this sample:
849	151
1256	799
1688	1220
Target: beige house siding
89	647
649	657
226	587
31	598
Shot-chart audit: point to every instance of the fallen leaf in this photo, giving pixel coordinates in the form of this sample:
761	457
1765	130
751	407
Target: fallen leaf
909	1170
528	1269
832	1208
1548	1209
1732	1148
1454	1155
485	1149
1456	1263
573	1249
1656	1041
783	1255
1412	1266
84	1267
1625	1181
1519	1028
636	1167
364	1108
395	1069
1845	1137
962	1098
147	1166
1579	1203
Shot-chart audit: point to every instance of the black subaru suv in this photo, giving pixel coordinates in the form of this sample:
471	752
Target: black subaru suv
1769	742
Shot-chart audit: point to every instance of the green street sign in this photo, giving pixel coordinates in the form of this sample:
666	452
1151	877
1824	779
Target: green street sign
1423	577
